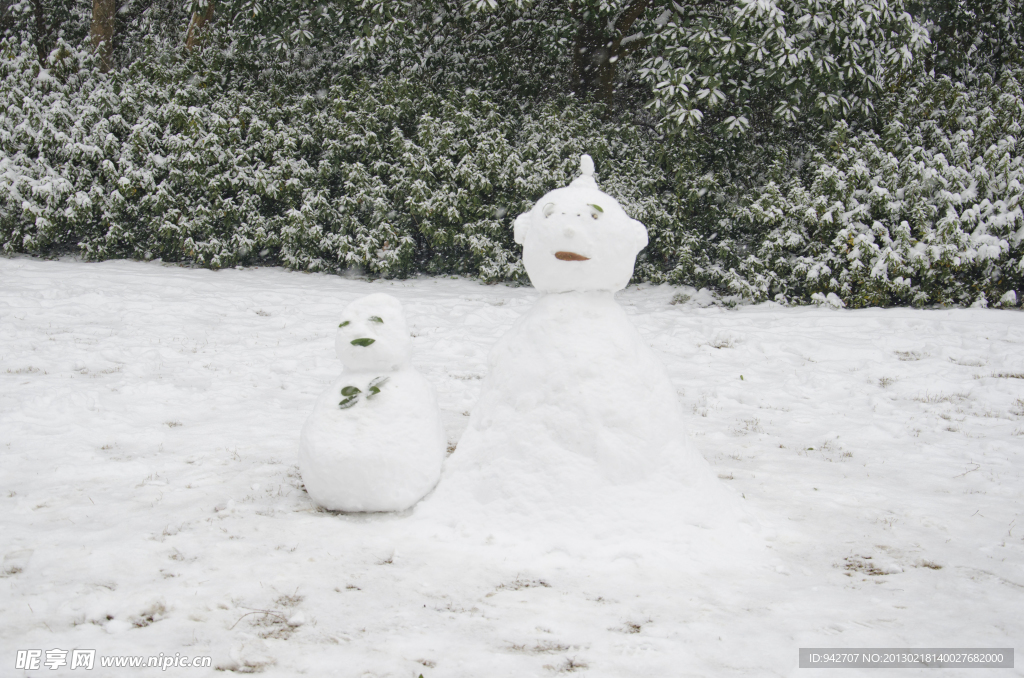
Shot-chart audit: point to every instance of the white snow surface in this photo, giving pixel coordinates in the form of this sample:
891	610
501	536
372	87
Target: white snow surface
374	441
152	499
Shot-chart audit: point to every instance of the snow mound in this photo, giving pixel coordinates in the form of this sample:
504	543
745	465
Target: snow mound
575	448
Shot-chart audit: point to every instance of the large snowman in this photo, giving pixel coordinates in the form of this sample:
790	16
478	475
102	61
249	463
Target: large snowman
577	422
374	441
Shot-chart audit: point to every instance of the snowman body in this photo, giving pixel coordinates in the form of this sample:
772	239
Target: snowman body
374	441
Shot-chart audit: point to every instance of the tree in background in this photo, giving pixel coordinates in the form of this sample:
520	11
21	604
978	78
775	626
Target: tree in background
970	38
200	17
604	36
765	143
789	61
101	31
794	59
43	22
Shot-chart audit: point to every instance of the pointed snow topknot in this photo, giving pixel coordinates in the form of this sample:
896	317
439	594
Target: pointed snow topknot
587	165
586	179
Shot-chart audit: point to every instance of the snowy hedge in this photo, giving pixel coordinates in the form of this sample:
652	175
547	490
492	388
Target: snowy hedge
384	176
169	159
927	212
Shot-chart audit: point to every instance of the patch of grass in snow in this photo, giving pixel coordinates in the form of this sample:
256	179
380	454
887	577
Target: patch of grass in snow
154	613
968	362
543	647
886	382
888	522
269	624
101	621
830	450
722	342
173	424
908	356
954	424
152	479
865	565
1009	375
941	398
171	530
520	584
24	370
632	626
289	600
569	666
701	406
748	426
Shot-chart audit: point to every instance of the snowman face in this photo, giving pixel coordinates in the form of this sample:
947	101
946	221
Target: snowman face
372	335
579	239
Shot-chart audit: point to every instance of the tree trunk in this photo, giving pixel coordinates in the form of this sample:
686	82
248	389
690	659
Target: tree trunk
590	59
195	26
42	31
102	31
597	50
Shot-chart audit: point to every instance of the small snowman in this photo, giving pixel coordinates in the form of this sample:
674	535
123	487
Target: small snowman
374	441
575	403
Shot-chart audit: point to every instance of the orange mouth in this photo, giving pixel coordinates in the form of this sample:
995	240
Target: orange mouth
570	256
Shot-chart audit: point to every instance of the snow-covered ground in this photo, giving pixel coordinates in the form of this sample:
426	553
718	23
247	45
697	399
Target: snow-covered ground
151	502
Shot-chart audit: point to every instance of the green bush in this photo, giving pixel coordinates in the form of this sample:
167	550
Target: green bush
927	212
170	158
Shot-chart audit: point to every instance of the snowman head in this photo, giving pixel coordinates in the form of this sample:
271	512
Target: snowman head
579	239
372	335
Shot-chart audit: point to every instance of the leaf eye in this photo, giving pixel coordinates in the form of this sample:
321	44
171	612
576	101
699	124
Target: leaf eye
596	208
549	209
376	319
344	323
